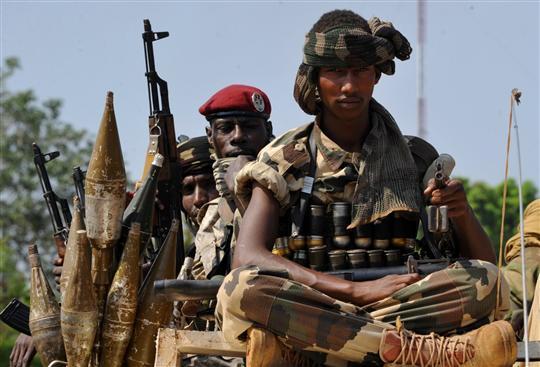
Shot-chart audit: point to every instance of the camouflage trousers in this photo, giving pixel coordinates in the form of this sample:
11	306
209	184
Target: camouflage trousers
512	273
308	320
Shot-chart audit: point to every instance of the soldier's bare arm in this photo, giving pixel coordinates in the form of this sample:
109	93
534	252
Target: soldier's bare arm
474	243
255	241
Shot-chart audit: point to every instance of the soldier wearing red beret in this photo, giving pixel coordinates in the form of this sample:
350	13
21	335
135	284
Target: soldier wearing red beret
239	127
238	116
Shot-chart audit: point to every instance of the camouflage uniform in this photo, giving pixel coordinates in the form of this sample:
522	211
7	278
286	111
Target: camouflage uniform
212	234
512	271
309	320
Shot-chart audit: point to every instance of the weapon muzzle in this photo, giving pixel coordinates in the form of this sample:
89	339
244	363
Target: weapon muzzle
187	290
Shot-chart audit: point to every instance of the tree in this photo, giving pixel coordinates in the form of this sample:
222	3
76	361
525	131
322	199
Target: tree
23	213
24	120
487	202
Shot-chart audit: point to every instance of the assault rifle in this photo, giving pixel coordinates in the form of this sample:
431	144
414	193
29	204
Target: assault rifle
58	207
186	290
78	180
163	141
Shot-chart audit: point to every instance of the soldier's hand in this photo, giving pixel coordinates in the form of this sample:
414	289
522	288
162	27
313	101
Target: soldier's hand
375	290
23	351
453	196
58	263
234	168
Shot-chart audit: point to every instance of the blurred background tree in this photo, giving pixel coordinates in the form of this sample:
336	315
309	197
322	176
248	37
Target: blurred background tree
487	201
24	217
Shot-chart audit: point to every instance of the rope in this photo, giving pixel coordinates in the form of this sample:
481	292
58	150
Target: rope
505	189
514	99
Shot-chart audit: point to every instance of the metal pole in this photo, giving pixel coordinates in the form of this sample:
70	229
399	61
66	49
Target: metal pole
516	94
420	99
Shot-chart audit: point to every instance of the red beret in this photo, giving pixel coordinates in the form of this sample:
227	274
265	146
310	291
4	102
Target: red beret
237	99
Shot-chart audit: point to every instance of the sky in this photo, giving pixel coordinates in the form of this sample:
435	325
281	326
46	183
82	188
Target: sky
474	54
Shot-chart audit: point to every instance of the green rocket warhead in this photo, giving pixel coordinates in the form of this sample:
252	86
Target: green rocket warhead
44	318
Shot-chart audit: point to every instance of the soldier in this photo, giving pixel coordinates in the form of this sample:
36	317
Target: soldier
239	128
198	185
512	271
354	152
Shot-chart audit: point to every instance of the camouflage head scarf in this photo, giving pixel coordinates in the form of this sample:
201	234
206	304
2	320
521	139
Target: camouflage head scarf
194	155
346	46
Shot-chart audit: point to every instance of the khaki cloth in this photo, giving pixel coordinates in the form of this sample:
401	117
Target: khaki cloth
531	219
208	239
513	270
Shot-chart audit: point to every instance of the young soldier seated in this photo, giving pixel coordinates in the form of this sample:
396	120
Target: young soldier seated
354	153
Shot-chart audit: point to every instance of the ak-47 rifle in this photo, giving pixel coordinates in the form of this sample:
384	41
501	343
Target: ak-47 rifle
163	141
58	207
78	180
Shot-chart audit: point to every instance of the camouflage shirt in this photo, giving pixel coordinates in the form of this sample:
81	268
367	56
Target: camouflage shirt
340	175
208	239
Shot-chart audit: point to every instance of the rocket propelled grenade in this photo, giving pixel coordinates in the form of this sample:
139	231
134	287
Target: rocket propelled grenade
122	303
105	191
79	314
153	312
44	317
77	224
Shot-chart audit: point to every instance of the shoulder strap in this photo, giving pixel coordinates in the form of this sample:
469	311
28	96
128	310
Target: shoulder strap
299	211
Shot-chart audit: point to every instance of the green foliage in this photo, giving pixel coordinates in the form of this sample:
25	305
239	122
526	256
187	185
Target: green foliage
24	120
487	201
24	217
12	285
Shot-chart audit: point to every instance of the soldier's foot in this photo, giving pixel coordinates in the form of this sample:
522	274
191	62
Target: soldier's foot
492	345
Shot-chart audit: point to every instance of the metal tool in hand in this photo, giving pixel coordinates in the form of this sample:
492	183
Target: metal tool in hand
438	214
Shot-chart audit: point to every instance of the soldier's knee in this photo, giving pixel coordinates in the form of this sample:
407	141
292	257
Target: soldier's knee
235	284
492	270
489	270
